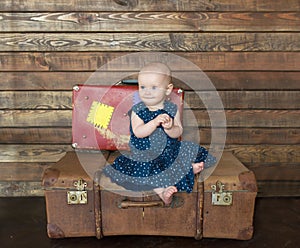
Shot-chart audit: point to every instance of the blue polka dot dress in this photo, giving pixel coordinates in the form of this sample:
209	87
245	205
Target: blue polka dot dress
157	161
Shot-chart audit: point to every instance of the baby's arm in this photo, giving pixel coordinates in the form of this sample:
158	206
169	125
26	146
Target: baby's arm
140	129
173	127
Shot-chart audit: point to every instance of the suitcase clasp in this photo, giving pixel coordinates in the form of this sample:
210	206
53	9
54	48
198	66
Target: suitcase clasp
79	196
220	196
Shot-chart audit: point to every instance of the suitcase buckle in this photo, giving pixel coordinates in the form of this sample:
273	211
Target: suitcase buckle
220	196
79	196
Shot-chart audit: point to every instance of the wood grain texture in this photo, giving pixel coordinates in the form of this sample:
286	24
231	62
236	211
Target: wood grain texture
36	135
234	118
35	118
266	154
245	99
244	118
199	100
36	100
27	172
278	188
138	42
276	172
238	136
222	80
257	154
206	61
245	136
20	188
142	5
32	153
140	21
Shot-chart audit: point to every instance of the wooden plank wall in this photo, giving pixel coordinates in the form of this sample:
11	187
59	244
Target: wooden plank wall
249	49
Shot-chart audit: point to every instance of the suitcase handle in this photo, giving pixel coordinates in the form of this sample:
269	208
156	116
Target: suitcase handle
177	202
134	204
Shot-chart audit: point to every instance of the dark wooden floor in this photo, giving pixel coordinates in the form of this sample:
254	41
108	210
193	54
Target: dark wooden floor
23	224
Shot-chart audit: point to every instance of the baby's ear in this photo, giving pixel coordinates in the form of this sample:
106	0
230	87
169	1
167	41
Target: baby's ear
169	89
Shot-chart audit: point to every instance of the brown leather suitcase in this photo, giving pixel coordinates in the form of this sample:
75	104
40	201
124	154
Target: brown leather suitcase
229	200
81	202
72	198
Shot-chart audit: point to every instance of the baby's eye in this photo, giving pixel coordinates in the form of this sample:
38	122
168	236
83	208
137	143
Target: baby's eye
142	87
154	87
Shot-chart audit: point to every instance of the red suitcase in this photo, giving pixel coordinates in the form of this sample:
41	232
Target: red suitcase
80	203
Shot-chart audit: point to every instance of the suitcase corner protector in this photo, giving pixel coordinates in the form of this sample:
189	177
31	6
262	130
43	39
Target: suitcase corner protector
248	181
50	177
54	231
246	233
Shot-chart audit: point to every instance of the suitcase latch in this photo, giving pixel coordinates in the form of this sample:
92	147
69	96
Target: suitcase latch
78	196
220	196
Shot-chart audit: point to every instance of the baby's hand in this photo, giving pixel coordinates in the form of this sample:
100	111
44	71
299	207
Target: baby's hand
164	120
168	123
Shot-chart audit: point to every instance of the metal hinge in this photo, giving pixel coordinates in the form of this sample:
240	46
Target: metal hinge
220	196
78	196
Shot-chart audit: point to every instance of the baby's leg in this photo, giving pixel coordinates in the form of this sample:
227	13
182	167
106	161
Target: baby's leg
198	167
166	194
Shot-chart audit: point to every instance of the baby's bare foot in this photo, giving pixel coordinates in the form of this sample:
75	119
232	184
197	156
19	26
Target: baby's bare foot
166	194
198	167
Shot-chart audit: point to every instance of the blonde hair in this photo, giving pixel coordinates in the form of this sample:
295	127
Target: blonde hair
157	68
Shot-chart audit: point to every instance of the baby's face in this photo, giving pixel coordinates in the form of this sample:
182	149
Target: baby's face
153	89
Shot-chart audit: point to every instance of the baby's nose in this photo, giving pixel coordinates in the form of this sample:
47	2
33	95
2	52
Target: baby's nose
148	91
